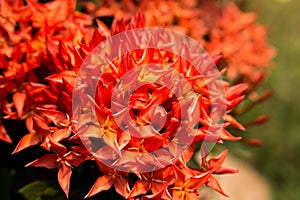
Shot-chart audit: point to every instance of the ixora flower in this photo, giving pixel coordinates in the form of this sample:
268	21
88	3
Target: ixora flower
30	32
212	23
137	112
217	26
138	103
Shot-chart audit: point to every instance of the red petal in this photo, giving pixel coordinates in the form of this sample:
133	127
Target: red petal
253	142
216	162
55	116
214	184
66	101
225	135
58	148
140	187
39	124
199	180
48	161
3	134
102	183
226	170
61	134
27	141
17	53
188	153
103	30
122	186
19	100
235	102
236	90
123	139
99	35
76	159
4	34
234	122
68	75
102	153
158	116
64	52
64	175
78	60
29	123
68	85
162	194
178	194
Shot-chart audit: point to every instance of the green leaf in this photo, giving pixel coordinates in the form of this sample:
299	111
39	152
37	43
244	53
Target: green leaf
5	184
35	190
50	191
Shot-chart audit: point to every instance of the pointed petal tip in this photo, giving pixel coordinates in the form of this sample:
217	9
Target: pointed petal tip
14	152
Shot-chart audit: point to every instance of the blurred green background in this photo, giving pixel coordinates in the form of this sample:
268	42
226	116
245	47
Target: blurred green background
279	158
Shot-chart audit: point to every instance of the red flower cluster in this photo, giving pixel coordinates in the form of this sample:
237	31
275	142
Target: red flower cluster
219	27
30	36
43	47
